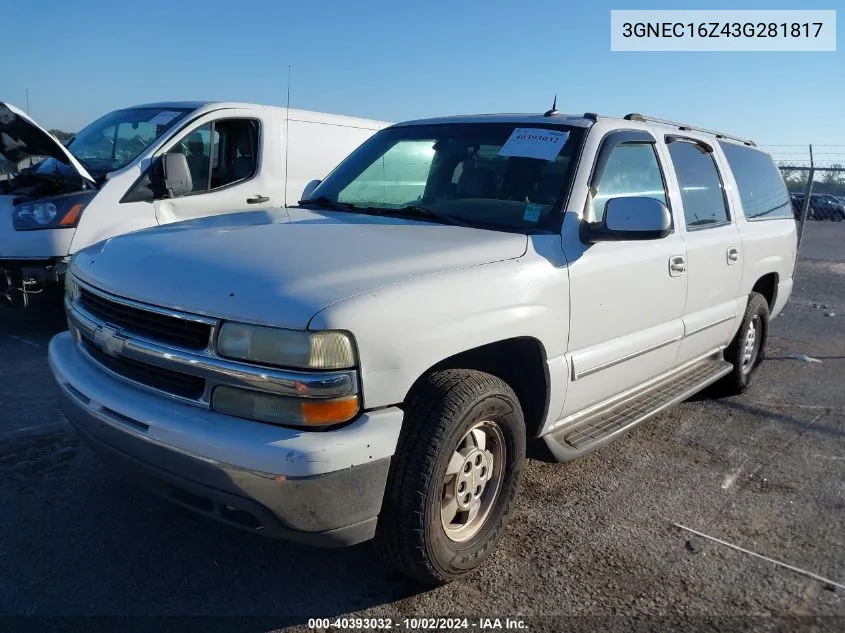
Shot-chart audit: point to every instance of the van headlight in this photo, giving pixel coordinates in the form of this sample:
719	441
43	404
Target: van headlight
62	212
329	349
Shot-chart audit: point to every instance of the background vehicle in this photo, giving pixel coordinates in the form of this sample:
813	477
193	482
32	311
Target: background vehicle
375	368
827	207
822	207
152	164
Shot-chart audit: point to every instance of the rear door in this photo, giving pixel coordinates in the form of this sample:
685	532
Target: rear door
234	163
713	245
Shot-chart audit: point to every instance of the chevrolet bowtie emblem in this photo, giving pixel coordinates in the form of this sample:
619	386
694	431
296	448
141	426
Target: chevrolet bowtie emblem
109	341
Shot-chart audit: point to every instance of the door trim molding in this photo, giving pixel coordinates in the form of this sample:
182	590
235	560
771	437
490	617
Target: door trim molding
576	375
719	321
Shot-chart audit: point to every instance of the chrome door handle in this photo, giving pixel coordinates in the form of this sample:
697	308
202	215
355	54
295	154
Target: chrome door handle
733	255
677	266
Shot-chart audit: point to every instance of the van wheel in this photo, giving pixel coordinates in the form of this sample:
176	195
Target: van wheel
747	350
454	477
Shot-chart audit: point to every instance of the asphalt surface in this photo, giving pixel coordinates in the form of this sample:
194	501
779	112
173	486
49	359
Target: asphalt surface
593	544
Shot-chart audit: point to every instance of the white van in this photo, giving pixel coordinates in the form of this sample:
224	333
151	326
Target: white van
152	164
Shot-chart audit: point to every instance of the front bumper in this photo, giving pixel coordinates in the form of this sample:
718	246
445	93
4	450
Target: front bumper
322	488
24	280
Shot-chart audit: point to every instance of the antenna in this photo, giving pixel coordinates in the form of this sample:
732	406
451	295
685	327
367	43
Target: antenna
287	138
27	100
553	111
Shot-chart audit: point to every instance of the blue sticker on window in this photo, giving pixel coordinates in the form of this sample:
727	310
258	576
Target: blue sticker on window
532	212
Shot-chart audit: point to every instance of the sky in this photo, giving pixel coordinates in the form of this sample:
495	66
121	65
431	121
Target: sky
400	60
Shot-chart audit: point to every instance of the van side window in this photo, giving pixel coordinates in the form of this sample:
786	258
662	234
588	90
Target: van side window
702	194
220	153
631	171
761	188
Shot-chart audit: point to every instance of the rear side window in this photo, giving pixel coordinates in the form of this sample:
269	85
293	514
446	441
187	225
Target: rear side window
761	187
701	186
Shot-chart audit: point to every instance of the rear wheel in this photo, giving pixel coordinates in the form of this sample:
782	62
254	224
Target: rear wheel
455	476
748	348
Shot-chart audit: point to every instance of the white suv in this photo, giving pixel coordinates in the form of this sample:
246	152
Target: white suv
455	288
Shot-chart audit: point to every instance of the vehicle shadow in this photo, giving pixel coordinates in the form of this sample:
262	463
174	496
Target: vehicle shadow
104	546
38	322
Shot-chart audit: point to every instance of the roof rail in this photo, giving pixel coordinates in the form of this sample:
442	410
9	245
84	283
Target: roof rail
684	126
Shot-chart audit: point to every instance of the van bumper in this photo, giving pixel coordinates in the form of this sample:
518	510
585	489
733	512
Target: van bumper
26	281
334	508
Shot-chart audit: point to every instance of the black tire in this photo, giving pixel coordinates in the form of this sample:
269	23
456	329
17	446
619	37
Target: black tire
440	411
736	382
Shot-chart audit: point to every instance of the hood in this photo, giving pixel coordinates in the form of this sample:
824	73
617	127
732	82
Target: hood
263	268
21	137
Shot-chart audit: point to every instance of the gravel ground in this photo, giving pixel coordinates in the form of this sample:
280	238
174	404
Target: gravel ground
593	545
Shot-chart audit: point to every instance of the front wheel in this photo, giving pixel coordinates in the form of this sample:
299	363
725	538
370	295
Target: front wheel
454	477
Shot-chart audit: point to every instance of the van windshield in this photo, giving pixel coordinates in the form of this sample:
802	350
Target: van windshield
508	176
115	140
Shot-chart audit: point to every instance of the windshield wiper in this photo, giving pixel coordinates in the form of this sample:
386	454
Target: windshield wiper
327	203
417	211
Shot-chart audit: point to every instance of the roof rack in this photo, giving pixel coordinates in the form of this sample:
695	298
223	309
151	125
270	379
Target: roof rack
684	126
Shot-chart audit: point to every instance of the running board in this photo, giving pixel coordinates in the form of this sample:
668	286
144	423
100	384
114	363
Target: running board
587	430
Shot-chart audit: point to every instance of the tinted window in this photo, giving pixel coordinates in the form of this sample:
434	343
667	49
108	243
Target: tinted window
631	170
701	187
761	187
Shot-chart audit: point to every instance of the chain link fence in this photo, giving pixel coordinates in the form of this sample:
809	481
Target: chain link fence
815	177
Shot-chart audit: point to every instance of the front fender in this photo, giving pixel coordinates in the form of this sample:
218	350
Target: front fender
403	330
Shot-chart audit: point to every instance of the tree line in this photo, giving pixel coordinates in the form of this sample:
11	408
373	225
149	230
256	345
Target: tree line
829	182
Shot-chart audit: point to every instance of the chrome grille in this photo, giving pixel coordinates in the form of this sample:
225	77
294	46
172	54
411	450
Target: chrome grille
173	382
166	328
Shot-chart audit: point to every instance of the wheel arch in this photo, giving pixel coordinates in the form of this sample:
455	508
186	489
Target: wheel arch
767	285
520	362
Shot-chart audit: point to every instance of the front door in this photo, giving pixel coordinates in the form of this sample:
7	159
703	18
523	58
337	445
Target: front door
627	298
230	156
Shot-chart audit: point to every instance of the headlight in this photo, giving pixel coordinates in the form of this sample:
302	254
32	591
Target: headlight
286	348
71	287
267	407
43	213
57	213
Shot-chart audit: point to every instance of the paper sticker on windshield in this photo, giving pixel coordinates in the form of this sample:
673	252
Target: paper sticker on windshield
532	212
164	117
529	142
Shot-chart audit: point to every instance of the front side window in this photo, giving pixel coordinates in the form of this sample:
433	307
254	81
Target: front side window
631	170
702	194
760	184
220	153
495	175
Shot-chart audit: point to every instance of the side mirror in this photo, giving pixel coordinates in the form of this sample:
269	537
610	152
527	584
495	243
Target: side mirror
311	186
629	219
177	176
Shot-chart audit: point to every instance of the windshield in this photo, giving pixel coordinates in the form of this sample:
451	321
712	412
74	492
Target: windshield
115	140
495	175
